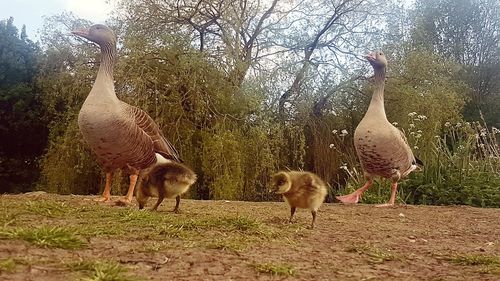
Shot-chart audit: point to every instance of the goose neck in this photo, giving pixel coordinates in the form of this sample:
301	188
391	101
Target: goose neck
108	56
377	101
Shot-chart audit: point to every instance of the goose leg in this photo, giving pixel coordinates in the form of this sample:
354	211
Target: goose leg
356	195
106	194
127	200
394	188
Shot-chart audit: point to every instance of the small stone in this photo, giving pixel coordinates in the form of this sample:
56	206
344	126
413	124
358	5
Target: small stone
402	215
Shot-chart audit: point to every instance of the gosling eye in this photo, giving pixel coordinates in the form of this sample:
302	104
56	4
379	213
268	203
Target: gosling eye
381	54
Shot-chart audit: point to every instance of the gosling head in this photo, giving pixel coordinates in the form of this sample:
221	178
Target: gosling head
280	183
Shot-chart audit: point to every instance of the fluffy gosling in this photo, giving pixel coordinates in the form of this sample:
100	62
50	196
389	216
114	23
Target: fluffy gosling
301	190
168	180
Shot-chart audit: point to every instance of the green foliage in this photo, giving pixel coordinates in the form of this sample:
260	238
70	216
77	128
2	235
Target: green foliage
24	134
463	168
466	32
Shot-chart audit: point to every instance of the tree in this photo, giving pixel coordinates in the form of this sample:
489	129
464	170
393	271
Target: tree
467	31
23	131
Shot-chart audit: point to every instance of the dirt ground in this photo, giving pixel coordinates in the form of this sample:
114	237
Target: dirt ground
223	240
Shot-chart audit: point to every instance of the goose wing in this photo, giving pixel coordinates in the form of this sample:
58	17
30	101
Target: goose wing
160	144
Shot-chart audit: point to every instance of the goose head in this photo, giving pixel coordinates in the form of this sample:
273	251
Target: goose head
377	59
98	33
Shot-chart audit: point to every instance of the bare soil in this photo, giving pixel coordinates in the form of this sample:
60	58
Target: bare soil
223	240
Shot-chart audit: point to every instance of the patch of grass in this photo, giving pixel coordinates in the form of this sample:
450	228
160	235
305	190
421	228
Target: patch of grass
48	208
486	264
475	260
102	271
50	237
229	244
7	265
376	255
276	269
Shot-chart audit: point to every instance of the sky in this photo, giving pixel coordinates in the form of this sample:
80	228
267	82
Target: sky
31	12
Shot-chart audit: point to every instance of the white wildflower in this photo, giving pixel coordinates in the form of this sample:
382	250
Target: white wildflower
411	114
418	136
419	131
331	145
344	166
334	132
415	147
422	117
447	124
458	125
395	123
495	130
461	147
437	137
412	125
343	133
412	133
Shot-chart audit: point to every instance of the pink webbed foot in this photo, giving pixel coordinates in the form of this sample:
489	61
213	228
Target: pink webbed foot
124	202
352	198
386	205
102	199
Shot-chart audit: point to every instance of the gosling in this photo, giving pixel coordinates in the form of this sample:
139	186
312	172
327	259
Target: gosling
168	180
301	190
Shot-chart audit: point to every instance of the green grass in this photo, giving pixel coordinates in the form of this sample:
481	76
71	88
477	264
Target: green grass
102	271
475	260
276	269
7	265
49	208
50	237
485	264
233	244
375	255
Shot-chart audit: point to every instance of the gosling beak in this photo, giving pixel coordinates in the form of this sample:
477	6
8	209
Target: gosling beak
82	32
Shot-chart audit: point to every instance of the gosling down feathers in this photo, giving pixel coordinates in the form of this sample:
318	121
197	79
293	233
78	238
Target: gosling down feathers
381	147
301	190
120	135
165	180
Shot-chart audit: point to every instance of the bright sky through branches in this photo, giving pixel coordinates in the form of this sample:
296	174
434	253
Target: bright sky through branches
31	12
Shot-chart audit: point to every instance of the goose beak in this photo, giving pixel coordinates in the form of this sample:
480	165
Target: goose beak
371	57
82	32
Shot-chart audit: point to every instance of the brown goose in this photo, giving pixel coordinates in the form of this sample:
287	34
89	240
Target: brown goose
382	148
122	136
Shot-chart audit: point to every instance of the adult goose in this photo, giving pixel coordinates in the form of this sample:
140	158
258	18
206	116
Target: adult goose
121	136
382	148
